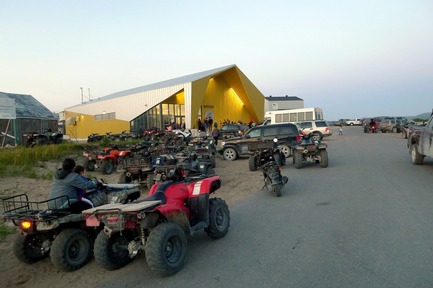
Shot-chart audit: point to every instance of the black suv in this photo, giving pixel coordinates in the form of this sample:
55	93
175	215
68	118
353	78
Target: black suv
286	133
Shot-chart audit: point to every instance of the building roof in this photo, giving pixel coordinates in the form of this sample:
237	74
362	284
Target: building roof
166	83
28	107
283	98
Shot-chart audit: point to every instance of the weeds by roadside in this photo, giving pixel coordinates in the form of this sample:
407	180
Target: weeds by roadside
25	161
5	231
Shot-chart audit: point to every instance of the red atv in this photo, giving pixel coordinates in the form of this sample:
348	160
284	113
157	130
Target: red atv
157	225
109	158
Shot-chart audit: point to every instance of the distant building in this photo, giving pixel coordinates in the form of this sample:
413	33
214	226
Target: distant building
223	93
30	116
273	103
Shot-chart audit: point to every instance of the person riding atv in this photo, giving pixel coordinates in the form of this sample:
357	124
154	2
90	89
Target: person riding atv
372	123
67	183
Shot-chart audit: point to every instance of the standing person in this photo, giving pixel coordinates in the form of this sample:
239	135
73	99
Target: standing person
216	134
340	130
66	183
210	122
81	192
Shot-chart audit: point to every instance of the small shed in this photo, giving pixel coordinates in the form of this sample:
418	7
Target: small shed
30	116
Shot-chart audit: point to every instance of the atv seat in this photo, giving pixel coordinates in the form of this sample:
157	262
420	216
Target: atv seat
157	196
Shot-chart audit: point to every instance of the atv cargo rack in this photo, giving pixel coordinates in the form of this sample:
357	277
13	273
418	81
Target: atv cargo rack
19	207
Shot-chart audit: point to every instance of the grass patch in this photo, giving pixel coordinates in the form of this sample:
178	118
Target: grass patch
25	161
5	231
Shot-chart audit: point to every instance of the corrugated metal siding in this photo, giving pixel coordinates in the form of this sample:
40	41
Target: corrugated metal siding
130	106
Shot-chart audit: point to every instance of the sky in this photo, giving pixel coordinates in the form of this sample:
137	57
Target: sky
351	58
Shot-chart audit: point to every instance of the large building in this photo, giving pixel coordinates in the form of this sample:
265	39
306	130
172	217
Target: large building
221	94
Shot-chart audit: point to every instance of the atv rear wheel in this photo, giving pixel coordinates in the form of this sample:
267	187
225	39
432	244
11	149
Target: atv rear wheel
107	167
297	159
219	218
71	249
323	158
29	248
149	181
166	249
252	163
112	252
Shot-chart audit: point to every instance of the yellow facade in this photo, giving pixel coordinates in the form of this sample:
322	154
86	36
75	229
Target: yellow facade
86	125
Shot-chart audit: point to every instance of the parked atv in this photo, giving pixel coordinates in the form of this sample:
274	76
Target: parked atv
90	160
158	225
51	228
310	151
273	179
137	169
39	139
257	149
205	150
109	158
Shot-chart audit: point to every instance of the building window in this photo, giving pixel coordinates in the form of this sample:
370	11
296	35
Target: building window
105	116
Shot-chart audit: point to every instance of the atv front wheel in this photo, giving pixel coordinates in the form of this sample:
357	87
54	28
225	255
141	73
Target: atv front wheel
219	218
252	163
71	249
277	158
277	190
112	252
107	167
166	249
29	248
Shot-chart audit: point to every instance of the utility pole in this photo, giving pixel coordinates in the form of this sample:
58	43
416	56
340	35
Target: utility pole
82	98
89	93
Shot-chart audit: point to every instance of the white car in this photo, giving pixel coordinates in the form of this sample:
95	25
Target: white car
318	128
354	122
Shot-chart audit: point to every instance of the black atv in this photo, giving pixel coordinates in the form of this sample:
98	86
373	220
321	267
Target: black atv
53	228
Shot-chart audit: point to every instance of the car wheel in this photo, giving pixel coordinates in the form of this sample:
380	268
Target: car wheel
287	150
230	154
416	158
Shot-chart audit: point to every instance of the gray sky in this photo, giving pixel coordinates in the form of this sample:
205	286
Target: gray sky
351	58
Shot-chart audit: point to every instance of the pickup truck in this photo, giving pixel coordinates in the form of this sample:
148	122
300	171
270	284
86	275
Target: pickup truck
420	143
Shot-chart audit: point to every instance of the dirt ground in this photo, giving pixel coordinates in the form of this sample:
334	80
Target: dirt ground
237	183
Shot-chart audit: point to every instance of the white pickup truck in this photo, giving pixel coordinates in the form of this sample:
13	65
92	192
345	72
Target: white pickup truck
354	122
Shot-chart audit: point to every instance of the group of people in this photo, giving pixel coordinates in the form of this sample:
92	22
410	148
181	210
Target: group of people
70	181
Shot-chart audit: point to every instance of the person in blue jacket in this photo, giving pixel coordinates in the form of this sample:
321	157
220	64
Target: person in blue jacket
66	183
